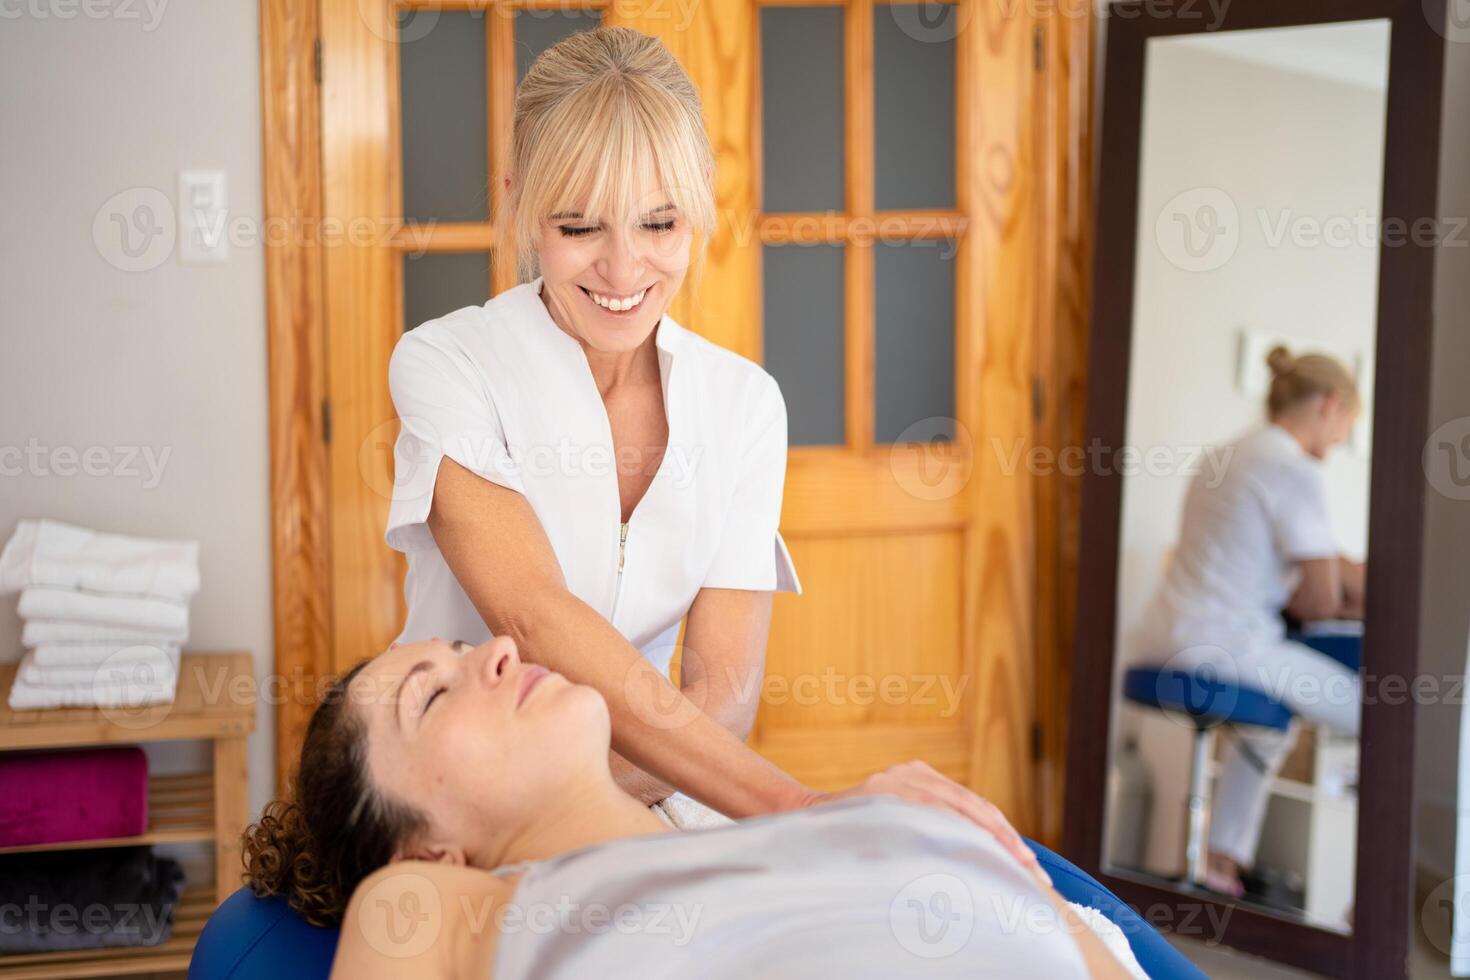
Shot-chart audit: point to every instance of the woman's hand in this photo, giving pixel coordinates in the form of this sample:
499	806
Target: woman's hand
919	782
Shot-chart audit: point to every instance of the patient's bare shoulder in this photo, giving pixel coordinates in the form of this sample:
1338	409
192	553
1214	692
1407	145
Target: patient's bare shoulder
421	919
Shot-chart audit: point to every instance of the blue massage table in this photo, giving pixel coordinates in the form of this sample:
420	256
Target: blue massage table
250	938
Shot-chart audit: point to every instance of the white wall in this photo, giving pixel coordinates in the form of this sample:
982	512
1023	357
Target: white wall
1278	144
172	358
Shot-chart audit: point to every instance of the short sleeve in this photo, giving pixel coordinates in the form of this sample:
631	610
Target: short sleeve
443	409
1301	517
751	553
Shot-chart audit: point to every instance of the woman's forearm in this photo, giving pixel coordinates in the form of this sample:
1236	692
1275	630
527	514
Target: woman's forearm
725	705
638	784
1353	576
1319	593
722	705
654	726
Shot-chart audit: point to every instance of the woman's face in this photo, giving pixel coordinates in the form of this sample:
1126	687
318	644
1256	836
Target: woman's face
475	738
1335	417
609	283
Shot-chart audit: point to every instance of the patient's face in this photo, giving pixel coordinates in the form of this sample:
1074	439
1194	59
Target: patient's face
474	737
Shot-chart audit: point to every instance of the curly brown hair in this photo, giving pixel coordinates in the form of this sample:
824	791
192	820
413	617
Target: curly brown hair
338	828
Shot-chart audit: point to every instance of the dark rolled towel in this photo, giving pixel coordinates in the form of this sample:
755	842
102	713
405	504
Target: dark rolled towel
86	899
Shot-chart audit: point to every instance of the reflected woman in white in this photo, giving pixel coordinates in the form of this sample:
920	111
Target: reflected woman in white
1250	545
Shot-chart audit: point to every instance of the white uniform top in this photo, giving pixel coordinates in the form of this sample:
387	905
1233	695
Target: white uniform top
1239	541
504	392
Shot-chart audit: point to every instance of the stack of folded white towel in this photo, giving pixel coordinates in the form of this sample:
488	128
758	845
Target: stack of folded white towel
105	615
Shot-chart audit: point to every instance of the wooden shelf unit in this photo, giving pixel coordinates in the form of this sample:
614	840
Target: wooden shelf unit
215	701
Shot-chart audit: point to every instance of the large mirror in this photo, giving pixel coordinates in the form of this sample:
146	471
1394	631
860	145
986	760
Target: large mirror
1252	254
1244	528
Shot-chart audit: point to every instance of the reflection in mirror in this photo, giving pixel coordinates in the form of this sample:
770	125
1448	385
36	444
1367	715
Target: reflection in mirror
1233	761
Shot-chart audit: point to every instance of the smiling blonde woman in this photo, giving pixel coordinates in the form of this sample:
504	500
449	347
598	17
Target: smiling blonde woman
579	472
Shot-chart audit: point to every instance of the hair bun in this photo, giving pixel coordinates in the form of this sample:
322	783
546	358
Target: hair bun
1280	360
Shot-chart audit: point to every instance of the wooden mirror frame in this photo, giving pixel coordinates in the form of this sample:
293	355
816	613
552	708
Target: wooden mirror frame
1378	944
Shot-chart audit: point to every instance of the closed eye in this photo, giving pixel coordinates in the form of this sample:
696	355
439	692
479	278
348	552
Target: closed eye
437	691
581	231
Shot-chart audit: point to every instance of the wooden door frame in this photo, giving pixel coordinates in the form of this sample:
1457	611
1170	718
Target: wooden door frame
297	342
297	369
1064	288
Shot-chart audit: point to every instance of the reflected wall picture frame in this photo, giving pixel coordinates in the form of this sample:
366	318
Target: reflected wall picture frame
1377	946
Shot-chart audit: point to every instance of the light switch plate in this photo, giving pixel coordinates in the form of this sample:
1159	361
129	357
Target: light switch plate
203	217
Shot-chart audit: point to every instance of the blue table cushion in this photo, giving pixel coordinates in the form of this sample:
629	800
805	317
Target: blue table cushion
1345	648
1152	951
1210	700
250	938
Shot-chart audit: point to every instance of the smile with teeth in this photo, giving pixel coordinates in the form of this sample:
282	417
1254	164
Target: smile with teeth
616	304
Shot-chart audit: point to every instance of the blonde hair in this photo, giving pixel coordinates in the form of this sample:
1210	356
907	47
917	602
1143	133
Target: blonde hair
1295	378
595	110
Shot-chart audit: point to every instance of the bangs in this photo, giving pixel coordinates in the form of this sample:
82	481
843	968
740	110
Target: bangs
613	153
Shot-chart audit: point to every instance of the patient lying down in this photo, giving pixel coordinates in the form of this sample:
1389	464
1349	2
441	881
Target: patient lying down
462	801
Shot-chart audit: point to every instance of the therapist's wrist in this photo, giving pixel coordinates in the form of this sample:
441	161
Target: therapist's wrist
766	788
794	795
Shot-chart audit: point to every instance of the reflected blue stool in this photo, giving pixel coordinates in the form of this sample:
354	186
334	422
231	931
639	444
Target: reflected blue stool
1206	701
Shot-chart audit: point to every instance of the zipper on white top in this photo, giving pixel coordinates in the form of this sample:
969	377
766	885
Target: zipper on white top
618	589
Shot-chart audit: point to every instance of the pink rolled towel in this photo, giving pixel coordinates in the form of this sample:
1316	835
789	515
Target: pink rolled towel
73	795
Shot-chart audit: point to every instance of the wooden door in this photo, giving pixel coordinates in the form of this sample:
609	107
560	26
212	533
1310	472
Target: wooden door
910	523
912	639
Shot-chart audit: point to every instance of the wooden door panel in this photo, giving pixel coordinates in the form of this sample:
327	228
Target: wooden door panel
911	487
836	757
876	638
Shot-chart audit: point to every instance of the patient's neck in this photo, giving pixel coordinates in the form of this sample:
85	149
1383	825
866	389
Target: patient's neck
590	812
